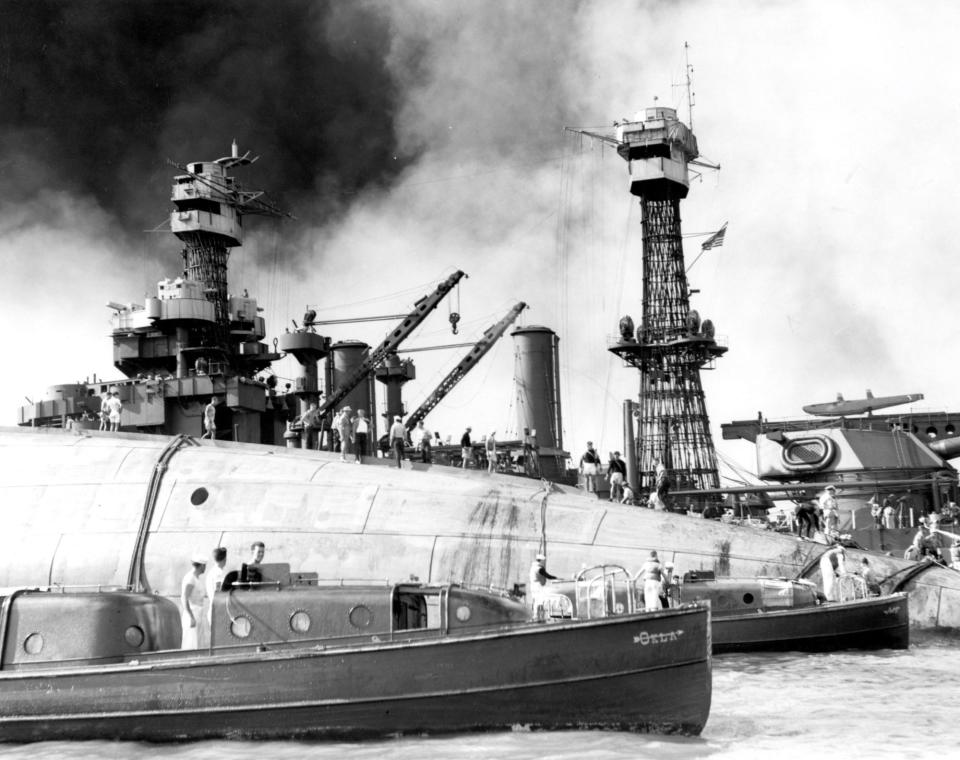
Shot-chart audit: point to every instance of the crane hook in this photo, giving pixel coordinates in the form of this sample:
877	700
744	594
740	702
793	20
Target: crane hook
454	318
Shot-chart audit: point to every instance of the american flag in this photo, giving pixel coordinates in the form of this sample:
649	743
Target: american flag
715	240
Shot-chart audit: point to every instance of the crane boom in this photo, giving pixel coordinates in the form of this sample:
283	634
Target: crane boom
399	334
490	336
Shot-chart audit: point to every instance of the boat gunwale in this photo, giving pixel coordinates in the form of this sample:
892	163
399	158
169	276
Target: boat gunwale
898	597
172	659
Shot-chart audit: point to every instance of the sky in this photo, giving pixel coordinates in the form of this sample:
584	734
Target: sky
411	138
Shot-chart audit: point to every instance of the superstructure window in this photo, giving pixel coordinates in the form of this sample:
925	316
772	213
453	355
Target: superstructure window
199	204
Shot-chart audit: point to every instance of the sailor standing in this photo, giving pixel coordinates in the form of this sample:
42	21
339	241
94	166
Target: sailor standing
213	580
115	406
831	568
490	448
361	430
537	585
424	441
889	511
589	467
617	473
191	602
210	419
652	575
344	427
830	511
398	439
311	422
105	411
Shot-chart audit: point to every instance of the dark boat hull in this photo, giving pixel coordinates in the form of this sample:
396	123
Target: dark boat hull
637	673
873	623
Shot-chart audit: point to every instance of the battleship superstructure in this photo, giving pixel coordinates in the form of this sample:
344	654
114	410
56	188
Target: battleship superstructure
671	344
195	340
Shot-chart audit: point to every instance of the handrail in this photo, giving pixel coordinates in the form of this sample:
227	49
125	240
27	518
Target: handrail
135	576
912	572
858	587
601	574
444	610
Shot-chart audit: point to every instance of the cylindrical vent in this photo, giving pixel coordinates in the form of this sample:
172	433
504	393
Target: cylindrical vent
537	383
347	356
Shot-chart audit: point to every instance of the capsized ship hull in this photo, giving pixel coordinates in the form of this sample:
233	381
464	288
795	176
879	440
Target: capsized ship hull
109	509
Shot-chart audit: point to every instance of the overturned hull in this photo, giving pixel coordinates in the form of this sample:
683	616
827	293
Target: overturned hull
129	508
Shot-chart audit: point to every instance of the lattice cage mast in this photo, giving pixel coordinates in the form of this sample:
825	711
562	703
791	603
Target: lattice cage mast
671	344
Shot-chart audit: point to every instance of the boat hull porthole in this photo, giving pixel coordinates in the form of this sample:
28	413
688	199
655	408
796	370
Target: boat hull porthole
33	644
300	621
361	616
241	627
134	636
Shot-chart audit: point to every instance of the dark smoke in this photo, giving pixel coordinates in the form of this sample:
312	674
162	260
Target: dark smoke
94	96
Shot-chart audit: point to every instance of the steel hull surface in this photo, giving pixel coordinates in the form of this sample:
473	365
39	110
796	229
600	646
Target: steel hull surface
74	508
647	672
873	623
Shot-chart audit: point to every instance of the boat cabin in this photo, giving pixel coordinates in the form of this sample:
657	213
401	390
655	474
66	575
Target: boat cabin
270	607
611	590
732	596
38	627
284	607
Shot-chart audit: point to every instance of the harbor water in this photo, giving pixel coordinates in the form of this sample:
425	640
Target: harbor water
890	704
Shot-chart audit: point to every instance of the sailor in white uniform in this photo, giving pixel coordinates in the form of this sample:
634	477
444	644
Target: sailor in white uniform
537	585
831	568
652	574
191	602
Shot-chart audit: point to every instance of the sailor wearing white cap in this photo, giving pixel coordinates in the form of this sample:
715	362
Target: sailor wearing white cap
344	424
652	574
831	512
191	601
666	584
536	587
398	439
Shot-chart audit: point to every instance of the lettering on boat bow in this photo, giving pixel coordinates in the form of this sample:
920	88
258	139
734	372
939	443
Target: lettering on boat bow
645	639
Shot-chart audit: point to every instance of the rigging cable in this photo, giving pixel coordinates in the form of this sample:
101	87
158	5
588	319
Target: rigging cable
621	279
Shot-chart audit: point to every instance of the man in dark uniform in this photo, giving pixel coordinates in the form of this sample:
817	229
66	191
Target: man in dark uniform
807	520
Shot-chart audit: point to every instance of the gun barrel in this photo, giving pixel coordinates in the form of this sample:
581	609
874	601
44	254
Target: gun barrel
948	448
